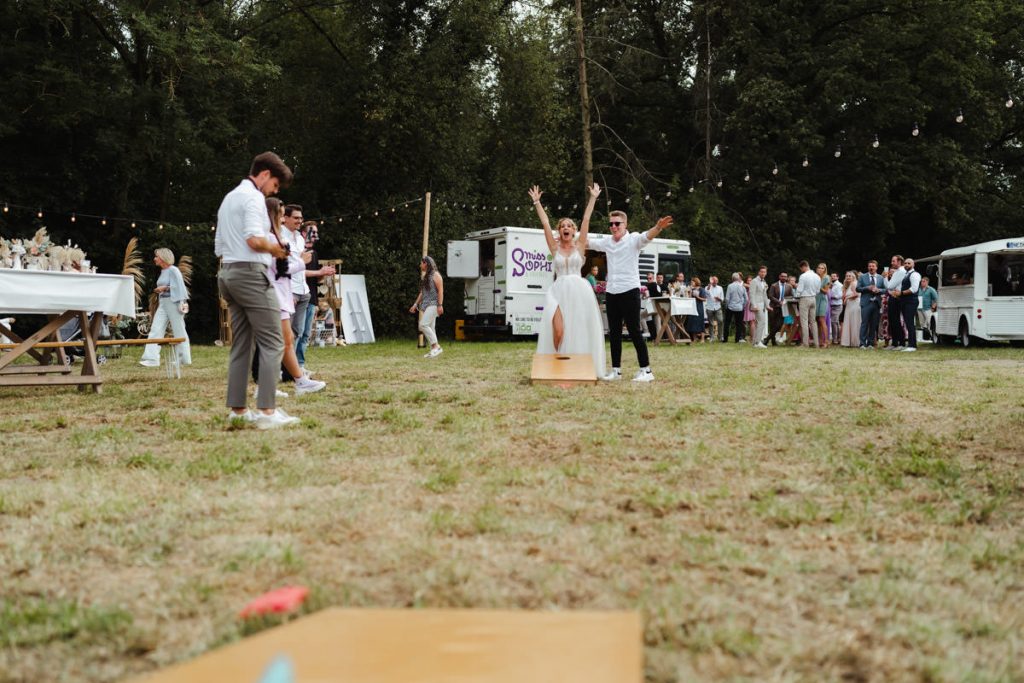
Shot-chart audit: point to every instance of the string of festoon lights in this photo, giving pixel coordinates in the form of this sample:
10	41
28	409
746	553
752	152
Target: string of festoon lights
503	209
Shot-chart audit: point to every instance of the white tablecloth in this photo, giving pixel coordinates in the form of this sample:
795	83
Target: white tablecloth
29	292
680	305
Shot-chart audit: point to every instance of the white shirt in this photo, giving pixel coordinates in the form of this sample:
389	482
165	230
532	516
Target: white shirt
242	214
298	245
836	294
623	260
809	284
895	280
712	304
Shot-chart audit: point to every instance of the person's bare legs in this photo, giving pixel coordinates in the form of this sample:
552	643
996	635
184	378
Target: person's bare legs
557	328
289	360
823	332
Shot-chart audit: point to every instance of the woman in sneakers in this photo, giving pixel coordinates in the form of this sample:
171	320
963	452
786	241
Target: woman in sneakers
280	273
430	303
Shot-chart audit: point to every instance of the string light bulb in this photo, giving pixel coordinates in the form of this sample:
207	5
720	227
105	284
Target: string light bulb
839	151
805	164
213	228
718	184
960	116
72	218
647	197
188	227
133	224
876	143
746	176
691	188
161	226
1009	101
340	219
627	201
916	131
103	221
6	208
775	169
669	193
39	213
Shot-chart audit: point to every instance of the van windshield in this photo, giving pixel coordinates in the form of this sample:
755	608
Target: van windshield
1006	274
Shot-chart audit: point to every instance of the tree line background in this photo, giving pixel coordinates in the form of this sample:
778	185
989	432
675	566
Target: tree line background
154	108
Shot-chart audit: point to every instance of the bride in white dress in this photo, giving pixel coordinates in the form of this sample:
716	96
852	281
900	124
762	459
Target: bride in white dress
572	319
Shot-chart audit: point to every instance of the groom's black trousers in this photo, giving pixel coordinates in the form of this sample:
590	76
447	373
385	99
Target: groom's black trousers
625	307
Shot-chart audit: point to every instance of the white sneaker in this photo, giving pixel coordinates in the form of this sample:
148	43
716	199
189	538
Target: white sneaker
305	385
277	392
743	341
241	418
644	376
909	349
434	352
613	376
276	419
760	345
149	363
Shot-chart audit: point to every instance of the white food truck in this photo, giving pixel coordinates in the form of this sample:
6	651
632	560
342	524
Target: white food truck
981	292
507	270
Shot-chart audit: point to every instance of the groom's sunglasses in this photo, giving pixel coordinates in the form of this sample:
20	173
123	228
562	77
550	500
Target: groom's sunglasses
614	223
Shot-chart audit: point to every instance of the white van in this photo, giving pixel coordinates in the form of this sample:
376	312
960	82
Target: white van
981	292
507	270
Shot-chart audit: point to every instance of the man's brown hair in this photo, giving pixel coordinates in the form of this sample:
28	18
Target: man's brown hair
268	161
618	214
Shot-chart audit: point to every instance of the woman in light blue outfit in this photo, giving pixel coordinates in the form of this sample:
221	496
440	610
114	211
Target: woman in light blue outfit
170	288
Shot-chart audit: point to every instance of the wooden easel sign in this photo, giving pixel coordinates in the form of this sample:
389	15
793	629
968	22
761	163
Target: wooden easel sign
563	369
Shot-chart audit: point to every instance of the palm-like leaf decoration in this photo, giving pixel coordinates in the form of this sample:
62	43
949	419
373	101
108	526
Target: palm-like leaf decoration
133	266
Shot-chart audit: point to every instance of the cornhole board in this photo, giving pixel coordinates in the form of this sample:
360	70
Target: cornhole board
562	369
433	646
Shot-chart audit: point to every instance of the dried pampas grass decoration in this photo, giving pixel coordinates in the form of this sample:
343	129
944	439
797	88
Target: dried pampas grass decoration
133	266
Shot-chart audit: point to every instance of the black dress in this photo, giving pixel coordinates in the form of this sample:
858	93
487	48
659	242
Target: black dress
695	323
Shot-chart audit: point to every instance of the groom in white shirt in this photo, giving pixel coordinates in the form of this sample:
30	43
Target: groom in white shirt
622	289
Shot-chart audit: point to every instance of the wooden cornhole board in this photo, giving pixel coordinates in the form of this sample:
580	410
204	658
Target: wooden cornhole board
562	369
433	646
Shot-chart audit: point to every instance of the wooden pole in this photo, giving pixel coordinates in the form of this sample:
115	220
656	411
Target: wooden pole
581	58
420	341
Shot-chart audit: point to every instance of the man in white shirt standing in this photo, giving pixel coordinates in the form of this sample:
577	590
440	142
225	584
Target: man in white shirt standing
716	295
759	305
806	292
835	302
906	293
243	243
622	289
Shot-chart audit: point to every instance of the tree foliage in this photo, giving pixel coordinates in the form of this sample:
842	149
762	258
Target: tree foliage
154	109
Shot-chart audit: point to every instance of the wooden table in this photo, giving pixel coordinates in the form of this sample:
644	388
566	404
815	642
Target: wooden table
60	297
433	646
666	307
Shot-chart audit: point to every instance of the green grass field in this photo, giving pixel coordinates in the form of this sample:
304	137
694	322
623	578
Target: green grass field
782	515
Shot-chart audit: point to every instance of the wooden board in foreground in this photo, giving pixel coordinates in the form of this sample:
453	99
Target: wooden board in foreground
562	369
433	646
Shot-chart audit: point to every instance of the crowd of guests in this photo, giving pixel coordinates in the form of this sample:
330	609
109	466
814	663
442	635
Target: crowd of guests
815	308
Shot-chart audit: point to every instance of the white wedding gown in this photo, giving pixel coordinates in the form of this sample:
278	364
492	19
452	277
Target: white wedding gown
581	317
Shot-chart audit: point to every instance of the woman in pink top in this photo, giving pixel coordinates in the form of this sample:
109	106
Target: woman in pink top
280	272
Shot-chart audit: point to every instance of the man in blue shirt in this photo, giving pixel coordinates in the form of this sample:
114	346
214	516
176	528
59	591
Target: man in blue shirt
735	304
929	304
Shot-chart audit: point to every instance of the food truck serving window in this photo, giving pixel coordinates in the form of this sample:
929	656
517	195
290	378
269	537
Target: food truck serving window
958	271
670	264
1005	274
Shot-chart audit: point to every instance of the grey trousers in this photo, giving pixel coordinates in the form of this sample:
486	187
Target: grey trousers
255	317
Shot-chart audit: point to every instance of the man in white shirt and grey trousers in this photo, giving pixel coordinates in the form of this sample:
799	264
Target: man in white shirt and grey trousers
243	243
622	288
806	292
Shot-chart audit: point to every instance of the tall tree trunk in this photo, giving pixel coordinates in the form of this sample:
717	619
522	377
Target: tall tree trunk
581	57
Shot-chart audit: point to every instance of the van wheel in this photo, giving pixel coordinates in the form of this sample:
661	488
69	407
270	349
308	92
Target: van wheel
965	335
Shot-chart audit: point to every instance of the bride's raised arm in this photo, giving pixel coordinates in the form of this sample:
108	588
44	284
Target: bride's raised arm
581	241
535	194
